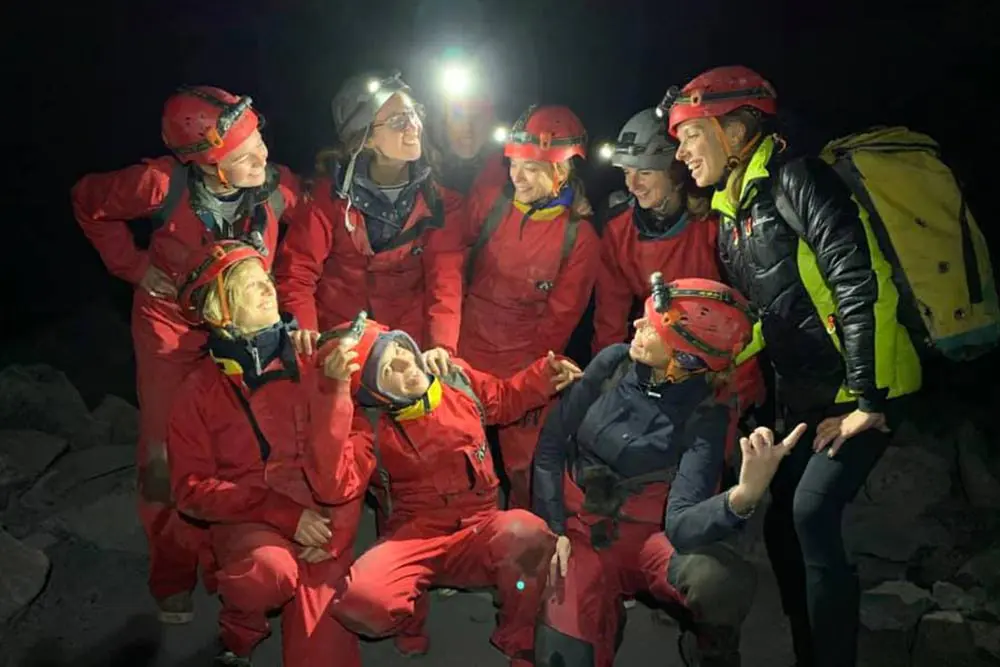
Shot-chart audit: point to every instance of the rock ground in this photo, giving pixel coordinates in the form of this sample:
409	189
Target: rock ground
924	531
95	589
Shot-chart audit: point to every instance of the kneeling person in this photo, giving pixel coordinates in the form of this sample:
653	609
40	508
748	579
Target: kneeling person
642	436
438	490
256	450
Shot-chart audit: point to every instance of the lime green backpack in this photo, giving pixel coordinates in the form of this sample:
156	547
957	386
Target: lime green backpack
917	210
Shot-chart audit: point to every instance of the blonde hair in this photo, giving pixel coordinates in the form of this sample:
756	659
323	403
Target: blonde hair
580	205
234	282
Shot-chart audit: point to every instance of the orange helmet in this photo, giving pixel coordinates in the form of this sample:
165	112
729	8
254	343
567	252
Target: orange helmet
209	268
547	134
361	329
717	92
204	124
700	317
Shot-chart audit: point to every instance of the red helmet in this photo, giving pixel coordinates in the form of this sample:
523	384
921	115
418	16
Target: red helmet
547	134
204	124
209	268
701	317
365	331
717	92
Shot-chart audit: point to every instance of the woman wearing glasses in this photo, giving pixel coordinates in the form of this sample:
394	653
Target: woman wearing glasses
377	234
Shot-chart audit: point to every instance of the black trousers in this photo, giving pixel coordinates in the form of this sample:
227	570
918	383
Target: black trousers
803	534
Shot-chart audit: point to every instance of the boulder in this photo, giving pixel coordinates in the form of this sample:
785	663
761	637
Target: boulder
23	573
24	456
883	532
986	637
949	597
980	486
123	419
982	569
100	467
110	523
40	398
872	571
883	648
908	480
894	605
928	437
944	638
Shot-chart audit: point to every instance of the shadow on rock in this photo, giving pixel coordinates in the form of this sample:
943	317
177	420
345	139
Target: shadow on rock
136	644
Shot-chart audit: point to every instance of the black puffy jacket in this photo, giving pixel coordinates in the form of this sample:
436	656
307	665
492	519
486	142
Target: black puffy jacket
825	308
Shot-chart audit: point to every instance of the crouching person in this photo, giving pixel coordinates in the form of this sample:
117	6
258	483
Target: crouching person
259	450
438	490
643	433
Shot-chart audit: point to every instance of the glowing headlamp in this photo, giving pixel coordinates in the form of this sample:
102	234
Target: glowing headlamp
456	80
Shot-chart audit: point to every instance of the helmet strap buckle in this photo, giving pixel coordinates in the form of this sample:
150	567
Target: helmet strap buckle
213	137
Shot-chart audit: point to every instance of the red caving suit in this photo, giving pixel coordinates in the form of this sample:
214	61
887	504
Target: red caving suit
523	300
167	349
444	526
328	272
219	475
628	257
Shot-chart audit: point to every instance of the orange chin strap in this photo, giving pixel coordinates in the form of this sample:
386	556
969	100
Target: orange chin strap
734	158
222	177
227	318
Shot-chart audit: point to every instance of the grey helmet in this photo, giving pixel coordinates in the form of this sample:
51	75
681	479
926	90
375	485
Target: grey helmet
360	98
643	143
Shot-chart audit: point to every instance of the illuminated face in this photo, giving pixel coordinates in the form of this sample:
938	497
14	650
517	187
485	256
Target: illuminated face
650	187
245	166
255	301
400	374
397	129
701	150
532	180
647	347
468	127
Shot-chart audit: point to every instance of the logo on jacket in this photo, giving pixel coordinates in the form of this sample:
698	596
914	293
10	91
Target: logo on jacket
417	250
545	285
480	452
530	418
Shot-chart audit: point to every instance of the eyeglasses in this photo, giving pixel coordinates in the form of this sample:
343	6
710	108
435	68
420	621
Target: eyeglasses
400	121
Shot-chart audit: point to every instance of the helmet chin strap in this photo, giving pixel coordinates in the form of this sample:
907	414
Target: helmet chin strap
345	190
733	157
676	374
221	175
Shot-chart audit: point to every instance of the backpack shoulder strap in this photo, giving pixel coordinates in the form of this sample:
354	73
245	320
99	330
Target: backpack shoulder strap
262	443
493	219
457	380
569	239
374	415
276	200
175	190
